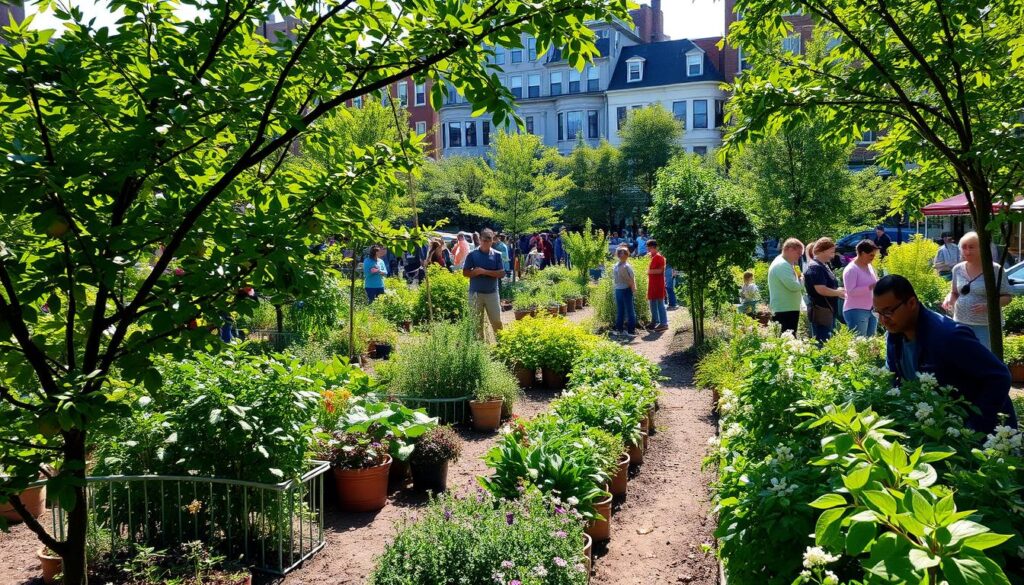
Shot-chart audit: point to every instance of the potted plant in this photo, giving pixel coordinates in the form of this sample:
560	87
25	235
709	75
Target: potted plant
1013	349
524	305
380	337
600	529
517	347
429	460
360	465
393	423
486	410
50	563
620	481
33	498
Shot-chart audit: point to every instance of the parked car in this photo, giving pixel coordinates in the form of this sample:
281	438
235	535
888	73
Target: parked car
846	247
1015	274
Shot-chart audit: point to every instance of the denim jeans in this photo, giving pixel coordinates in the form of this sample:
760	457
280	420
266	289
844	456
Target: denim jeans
861	321
670	287
981	331
372	293
822	332
659	316
625	312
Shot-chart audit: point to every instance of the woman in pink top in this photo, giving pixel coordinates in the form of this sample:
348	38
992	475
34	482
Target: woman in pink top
859	280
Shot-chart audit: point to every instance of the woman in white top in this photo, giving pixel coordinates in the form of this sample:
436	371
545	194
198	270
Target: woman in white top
967	297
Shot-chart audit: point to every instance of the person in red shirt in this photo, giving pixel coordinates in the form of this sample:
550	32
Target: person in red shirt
656	291
547	250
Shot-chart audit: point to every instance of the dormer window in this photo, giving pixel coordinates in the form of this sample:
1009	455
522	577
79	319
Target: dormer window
694	64
635	69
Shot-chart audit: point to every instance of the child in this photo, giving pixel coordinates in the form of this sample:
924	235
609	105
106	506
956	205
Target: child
750	295
625	287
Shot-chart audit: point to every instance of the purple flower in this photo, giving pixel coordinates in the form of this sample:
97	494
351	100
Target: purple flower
447	514
509	518
515	582
507	564
560	534
560	561
559	510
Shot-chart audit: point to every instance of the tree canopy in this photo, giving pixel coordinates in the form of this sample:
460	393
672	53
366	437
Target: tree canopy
599	192
650	138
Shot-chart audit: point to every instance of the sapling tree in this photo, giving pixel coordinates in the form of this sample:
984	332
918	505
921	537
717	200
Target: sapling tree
145	184
701	228
587	249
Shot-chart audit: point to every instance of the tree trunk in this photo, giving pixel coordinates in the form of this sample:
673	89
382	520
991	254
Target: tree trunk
73	558
983	212
353	356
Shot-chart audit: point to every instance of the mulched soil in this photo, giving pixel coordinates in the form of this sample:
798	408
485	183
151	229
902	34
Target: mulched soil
658	531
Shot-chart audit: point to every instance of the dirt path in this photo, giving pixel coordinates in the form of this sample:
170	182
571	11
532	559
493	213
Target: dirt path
659	530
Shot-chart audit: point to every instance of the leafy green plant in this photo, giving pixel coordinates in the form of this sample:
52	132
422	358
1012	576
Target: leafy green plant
1013	350
446	361
447	295
558	342
913	260
436	446
601	411
396	304
605	360
890	511
1013	313
355	450
588	248
387	422
484	539
498	382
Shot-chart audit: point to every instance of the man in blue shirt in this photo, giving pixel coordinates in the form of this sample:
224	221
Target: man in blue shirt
922	341
484	268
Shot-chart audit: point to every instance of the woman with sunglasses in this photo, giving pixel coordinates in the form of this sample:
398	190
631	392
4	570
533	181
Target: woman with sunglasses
967	296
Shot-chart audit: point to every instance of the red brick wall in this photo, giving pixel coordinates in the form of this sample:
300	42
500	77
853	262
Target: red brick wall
802	24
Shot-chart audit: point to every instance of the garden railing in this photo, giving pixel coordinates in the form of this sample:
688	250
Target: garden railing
447	410
271	528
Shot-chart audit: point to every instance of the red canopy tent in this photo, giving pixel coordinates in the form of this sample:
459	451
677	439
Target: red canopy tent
955	205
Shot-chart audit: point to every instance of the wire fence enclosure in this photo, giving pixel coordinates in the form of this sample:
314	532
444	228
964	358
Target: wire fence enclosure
270	528
449	411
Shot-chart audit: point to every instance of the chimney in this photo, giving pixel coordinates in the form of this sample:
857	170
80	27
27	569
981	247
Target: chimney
658	24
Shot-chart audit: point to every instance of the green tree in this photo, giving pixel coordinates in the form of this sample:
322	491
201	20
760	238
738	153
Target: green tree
445	183
587	249
521	189
599	190
798	185
650	138
942	77
702	230
172	132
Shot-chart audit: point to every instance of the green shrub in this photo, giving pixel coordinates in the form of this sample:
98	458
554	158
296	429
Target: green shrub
606	360
601	411
603	298
321	312
485	540
498	382
543	342
1013	313
1013	350
760	270
913	260
396	304
449	293
446	361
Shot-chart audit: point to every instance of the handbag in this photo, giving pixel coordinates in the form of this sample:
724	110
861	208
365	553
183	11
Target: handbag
821	316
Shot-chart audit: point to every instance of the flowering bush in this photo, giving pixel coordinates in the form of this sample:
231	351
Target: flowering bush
774	405
481	539
437	446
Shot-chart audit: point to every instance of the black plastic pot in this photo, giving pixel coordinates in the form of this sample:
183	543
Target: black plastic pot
384	351
430	477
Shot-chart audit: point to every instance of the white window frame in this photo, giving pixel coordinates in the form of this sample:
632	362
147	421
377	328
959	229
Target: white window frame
403	94
561	88
499	55
575	77
634	65
579	129
531	48
792	39
512	85
593	74
686	112
529	83
421	128
421	94
694	59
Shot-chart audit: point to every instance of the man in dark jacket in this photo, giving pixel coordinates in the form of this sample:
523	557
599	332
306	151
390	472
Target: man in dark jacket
921	340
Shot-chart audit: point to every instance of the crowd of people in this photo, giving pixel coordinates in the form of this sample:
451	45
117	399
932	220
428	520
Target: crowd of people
955	349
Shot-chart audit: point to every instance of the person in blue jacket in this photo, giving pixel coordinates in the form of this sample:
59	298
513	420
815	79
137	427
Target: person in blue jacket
923	341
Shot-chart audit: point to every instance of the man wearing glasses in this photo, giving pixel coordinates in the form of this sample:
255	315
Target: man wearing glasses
922	341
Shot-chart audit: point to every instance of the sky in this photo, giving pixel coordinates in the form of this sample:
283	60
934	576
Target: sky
684	19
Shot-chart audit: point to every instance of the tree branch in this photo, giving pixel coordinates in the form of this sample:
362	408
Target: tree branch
30	350
32	524
6	394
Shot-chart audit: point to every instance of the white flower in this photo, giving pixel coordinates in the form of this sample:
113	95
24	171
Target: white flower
163	129
927	379
780	487
540	571
924	410
805	574
830	579
784	454
572	501
895	391
929	422
815	556
713	441
953	431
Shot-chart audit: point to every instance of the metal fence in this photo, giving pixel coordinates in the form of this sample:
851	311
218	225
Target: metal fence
269	527
278	339
447	410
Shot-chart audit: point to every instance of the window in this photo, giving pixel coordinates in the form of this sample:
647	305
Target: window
867	137
679	111
574	81
791	44
487	132
601	34
385	96
719	113
444	135
357	102
620	117
516	55
455	134
421	94
421	128
592	128
636	107
701	150
573	124
593	79
499	55
742	59
700	113
636	71
470	133
516	83
694	64
403	94
533	81
529	124
561	128
556	83
531	48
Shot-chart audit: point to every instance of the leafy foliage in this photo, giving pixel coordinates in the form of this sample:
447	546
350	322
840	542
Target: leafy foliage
913	260
447	296
599	193
587	248
650	139
437	446
543	342
702	231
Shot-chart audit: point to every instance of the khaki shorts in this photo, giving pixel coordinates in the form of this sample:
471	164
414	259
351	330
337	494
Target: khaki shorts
489	303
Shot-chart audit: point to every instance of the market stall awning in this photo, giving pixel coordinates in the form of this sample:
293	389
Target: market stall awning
955	205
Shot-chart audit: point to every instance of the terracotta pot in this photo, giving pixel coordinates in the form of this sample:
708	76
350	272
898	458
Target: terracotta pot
563	309
398	475
526	377
371	349
51	565
33	498
1017	372
407	326
647	442
553	380
384	351
601	530
621	479
506	305
553	310
650	421
430	477
570	306
588	553
534	312
636	453
486	415
521	314
363	490
644	425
